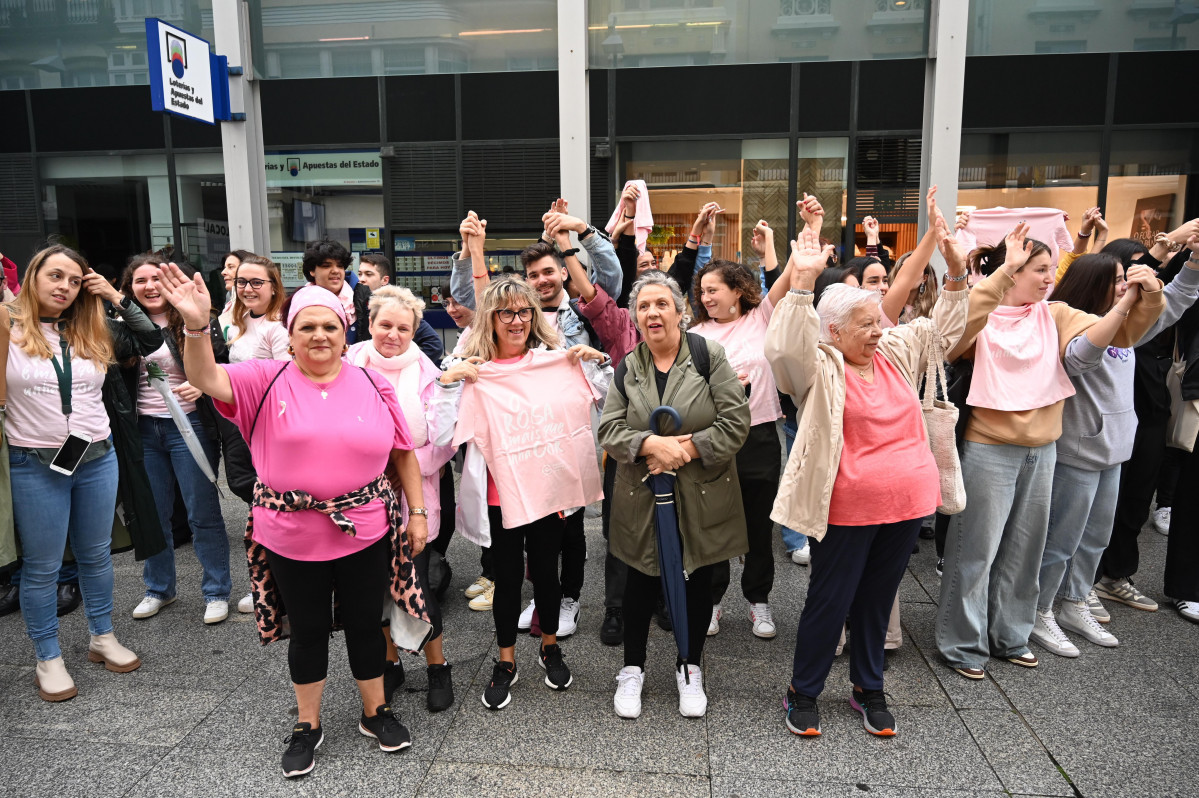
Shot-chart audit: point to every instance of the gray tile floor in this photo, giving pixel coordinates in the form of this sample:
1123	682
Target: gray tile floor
207	712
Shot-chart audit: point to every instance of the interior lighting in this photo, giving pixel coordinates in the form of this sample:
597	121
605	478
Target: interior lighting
501	32
345	39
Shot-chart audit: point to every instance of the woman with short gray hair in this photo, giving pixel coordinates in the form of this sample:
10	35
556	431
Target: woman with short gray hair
859	415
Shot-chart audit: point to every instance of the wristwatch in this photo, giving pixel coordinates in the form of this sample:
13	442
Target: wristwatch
419	511
586	232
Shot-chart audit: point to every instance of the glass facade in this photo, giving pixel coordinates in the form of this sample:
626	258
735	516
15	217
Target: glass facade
1027	27
1148	181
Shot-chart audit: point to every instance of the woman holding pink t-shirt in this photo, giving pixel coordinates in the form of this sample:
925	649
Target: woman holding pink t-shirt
733	312
325	519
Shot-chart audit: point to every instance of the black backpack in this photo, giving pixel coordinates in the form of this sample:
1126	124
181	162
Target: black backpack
699	358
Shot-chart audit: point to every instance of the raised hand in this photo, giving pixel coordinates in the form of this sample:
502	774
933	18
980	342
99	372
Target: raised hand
188	296
95	283
1018	248
761	240
1140	274
870	226
705	217
473	231
808	259
467	369
930	201
811	211
961	221
951	249
1088	220
628	200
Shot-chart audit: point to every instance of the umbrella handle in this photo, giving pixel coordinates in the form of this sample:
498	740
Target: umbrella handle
664	410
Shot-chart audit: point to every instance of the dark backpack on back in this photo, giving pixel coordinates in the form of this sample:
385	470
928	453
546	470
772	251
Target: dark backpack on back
700	358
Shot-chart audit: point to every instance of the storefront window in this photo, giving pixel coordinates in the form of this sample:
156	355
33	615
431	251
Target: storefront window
1147	182
1019	27
822	169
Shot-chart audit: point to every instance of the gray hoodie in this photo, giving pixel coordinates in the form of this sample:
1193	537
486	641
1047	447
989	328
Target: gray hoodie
1099	423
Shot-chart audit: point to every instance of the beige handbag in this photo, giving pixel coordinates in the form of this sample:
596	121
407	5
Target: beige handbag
940	419
1184	415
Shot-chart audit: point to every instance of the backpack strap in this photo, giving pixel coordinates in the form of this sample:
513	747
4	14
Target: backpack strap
700	358
262	401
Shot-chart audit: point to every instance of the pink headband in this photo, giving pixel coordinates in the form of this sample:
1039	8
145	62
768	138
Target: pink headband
314	295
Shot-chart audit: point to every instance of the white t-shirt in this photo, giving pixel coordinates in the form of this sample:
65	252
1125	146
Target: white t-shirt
35	416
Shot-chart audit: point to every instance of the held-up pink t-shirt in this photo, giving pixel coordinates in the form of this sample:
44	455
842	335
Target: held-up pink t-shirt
887	472
531	419
744	342
327	446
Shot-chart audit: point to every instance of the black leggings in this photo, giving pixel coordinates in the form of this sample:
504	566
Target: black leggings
542	541
759	464
421	562
641	596
307	587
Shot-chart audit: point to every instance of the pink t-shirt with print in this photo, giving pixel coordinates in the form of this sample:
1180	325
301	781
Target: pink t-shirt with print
35	416
744	342
326	445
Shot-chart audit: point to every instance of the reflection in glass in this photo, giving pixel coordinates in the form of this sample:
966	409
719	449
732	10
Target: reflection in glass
1147	183
1019	27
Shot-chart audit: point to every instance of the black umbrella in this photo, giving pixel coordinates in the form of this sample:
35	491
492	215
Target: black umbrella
670	544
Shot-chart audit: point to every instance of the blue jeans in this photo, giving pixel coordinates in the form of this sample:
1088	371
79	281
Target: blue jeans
169	460
67	575
49	508
1080	525
993	553
792	540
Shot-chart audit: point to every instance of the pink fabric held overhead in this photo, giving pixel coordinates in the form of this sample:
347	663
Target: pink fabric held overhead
989	226
644	221
313	295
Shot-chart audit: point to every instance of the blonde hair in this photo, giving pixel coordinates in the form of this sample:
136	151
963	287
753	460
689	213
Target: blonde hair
505	293
396	295
239	311
922	301
86	327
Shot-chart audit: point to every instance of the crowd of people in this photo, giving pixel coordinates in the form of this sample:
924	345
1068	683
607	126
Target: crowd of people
695	401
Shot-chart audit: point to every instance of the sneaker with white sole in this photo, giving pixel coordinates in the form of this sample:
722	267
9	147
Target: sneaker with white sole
216	611
246	604
526	617
1096	608
627	700
484	601
1049	635
1075	616
478	587
714	624
693	701
1187	609
568	617
759	616
1125	592
1161	520
802	556
150	605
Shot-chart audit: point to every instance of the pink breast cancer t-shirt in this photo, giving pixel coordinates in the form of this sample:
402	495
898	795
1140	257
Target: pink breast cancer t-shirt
531	419
327	445
744	342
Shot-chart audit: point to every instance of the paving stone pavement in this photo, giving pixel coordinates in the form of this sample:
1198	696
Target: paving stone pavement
207	712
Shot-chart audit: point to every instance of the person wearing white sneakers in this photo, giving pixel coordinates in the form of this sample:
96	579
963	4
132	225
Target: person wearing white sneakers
168	456
58	402
692	375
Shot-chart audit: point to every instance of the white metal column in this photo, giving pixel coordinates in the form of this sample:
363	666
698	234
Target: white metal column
241	139
574	131
944	78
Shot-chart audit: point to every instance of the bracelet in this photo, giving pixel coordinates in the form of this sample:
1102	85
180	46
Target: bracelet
418	511
1123	313
200	333
949	278
801	291
625	215
693	237
478	276
567	253
1081	234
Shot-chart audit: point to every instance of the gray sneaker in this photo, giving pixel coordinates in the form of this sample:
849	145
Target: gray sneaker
1098	611
1125	592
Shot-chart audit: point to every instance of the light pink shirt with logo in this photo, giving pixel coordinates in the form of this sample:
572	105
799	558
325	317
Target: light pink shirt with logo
35	418
744	342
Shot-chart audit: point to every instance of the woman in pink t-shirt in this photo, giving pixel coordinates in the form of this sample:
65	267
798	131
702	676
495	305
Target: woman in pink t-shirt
733	312
860	433
325	520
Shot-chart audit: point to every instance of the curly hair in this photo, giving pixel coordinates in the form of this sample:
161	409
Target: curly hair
738	278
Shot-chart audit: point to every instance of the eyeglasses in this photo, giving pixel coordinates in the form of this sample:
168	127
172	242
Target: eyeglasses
506	315
256	283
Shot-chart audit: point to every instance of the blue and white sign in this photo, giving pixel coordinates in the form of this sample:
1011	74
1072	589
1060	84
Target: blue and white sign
186	79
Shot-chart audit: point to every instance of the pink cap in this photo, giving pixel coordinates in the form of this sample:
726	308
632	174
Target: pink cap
311	295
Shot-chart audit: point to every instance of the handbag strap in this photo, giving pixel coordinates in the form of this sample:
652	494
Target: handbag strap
934	369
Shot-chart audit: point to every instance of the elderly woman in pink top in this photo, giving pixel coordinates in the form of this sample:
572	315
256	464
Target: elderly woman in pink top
859	416
324	520
394	314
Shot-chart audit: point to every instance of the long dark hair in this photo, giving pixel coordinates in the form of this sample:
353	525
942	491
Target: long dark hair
1088	285
1126	249
174	320
986	260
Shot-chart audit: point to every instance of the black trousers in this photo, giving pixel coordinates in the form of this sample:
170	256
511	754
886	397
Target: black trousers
1138	481
1167	480
574	555
641	596
615	571
421	561
758	465
542	542
361	582
1182	548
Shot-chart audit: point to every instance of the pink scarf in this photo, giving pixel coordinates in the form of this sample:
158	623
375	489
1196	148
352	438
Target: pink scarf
405	380
1016	363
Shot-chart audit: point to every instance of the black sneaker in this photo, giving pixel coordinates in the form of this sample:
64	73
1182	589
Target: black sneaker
612	629
940	567
872	705
393	678
803	718
300	756
497	694
386	728
441	688
557	675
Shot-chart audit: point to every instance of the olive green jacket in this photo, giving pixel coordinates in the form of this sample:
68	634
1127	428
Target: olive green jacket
707	493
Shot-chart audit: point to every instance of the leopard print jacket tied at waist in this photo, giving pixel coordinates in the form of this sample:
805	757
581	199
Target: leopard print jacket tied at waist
406	590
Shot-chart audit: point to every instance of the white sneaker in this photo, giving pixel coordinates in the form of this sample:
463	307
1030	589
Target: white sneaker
216	611
483	601
1188	609
714	624
246	604
627	700
1161	520
526	618
693	702
1075	616
150	605
568	617
759	616
1050	636
802	556
1096	608
478	587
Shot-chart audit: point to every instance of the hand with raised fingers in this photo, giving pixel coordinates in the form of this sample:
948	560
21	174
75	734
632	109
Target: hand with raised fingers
95	283
870	226
961	221
808	259
761	240
188	296
930	203
811	211
1018	248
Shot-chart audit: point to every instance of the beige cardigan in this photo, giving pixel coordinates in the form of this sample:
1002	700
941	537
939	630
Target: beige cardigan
813	373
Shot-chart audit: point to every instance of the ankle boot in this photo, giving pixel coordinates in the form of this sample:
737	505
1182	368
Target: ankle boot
53	682
117	658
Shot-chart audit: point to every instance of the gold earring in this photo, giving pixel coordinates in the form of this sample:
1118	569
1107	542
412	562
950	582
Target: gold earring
291	350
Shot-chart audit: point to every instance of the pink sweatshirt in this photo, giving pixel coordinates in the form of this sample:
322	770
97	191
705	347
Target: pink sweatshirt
989	226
